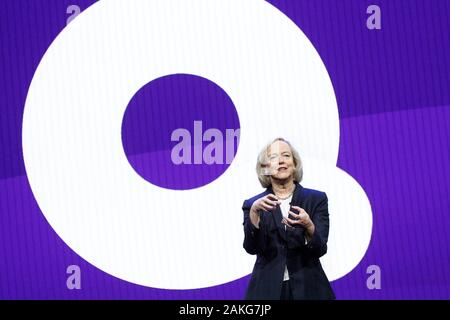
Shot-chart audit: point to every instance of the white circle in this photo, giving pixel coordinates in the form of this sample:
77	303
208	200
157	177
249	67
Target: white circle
72	145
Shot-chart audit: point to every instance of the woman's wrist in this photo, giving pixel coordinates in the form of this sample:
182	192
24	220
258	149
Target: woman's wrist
254	217
310	230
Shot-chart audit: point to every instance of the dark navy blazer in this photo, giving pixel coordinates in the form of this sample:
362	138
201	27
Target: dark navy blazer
277	246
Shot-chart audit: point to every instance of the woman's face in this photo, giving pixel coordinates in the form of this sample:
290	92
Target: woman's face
281	160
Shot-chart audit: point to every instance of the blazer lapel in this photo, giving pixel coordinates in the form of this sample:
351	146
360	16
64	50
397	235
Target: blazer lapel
297	197
278	216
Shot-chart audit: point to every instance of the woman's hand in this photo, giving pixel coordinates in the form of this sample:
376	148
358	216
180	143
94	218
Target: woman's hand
301	218
266	203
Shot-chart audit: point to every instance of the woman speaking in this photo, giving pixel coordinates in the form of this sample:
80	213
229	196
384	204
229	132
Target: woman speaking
287	227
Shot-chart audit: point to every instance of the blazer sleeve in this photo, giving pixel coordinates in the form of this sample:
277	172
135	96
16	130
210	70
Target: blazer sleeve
254	238
318	243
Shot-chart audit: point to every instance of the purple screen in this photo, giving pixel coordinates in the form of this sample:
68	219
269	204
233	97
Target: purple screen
393	96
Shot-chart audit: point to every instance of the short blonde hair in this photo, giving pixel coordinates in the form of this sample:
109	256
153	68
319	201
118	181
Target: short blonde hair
264	179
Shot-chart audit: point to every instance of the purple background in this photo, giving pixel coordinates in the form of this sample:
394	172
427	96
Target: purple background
164	105
392	88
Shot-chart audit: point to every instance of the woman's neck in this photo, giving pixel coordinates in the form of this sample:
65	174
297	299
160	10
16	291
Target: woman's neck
283	188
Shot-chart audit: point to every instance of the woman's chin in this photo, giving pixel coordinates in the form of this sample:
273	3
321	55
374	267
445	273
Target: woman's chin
281	176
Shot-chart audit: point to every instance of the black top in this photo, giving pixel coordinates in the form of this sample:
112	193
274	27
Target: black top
277	247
